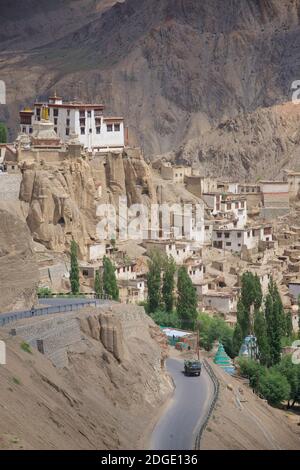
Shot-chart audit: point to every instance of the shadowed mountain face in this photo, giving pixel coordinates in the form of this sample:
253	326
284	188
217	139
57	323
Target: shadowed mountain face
175	69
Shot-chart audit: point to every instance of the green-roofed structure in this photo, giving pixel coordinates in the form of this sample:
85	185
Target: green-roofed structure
223	360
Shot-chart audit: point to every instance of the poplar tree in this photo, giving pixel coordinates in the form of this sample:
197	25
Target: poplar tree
74	273
273	315
3	133
237	339
260	331
98	287
110	286
187	299
154	282
169	284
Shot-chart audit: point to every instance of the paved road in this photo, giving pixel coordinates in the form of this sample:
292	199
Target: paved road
178	427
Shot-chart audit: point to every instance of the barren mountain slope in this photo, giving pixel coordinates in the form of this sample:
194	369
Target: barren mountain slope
36	22
173	68
104	399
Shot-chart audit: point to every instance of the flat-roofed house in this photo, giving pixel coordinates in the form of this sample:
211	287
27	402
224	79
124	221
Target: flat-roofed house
275	198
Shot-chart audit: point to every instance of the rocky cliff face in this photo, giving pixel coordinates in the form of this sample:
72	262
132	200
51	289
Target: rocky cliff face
61	204
62	200
19	274
175	68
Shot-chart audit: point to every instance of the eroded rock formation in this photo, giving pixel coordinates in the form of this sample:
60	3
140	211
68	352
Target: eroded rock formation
61	203
62	198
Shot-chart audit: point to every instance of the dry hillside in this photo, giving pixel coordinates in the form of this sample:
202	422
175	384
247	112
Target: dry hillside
242	421
103	399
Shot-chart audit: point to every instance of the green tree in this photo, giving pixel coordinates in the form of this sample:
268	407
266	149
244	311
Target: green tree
274	387
243	318
98	287
154	281
187	299
213	329
260	331
237	339
74	273
289	325
292	373
110	285
3	133
249	302
166	319
252	370
169	284
275	320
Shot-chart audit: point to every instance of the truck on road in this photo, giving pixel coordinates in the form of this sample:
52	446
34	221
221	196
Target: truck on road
192	367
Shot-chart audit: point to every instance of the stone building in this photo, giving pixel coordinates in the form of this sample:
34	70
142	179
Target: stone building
175	173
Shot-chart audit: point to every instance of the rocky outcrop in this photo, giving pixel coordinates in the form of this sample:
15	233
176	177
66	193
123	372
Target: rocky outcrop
19	274
128	174
61	203
62	198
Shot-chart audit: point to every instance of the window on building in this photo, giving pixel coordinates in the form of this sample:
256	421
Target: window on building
68	122
98	129
227	235
24	130
90	130
82	114
219	235
239	235
89	114
229	207
38	111
109	127
82	130
55	128
67	131
68	112
55	121
85	273
30	130
117	127
228	243
55	112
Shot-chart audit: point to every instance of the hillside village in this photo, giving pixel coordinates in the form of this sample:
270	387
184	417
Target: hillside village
68	158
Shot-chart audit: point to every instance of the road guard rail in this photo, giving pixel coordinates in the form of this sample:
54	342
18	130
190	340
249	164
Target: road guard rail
64	306
216	386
